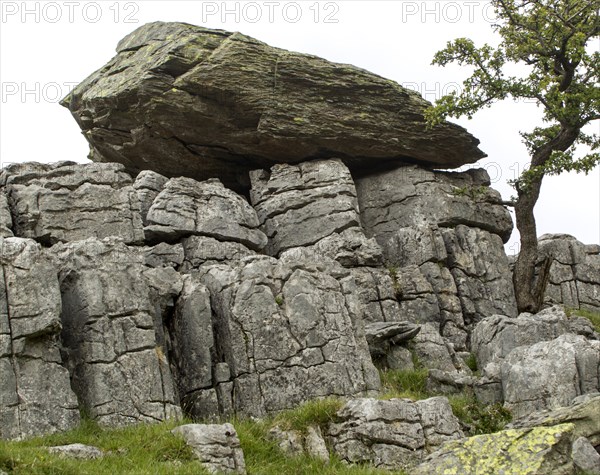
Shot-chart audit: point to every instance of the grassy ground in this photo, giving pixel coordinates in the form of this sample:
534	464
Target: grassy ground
152	450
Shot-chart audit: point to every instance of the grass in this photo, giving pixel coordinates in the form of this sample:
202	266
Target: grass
318	412
478	418
150	449
137	450
593	317
263	457
409	384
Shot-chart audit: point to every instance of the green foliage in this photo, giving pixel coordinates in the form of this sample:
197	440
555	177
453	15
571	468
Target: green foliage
476	193
479	418
318	412
471	362
279	300
137	450
411	384
554	42
593	317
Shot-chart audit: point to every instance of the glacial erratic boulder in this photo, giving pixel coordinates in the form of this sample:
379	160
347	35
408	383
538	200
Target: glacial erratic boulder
219	104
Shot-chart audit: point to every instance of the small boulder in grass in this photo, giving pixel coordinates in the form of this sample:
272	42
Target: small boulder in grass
77	451
217	446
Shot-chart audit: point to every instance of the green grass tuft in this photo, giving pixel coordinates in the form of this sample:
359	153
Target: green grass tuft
479	418
403	383
318	412
592	316
137	450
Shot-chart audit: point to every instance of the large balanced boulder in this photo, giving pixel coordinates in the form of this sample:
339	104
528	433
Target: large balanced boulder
219	104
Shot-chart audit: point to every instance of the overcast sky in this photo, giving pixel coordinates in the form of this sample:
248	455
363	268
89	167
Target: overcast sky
46	47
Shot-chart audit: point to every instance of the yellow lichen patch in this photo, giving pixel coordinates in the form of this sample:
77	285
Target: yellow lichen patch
515	452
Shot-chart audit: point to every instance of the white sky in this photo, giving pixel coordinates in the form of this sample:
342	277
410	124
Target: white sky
46	47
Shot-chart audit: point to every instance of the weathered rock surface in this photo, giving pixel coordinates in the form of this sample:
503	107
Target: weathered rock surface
411	196
299	205
203	250
148	185
187	207
66	201
441	236
35	394
538	451
392	434
289	330
5	218
381	336
111	325
216	446
220	104
583	413
77	451
585	457
550	374
575	271
294	442
495	337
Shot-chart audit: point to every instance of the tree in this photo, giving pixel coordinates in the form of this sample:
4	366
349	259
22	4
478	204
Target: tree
552	41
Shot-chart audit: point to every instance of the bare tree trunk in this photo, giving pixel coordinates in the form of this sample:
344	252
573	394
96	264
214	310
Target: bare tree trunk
529	291
524	272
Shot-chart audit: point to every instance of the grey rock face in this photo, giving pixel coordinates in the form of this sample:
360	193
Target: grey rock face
192	347
111	329
550	374
575	272
295	443
480	270
451	278
378	294
77	451
381	336
203	250
164	255
148	185
292	325
216	446
219	104
67	202
298	205
412	196
186	207
35	394
393	434
5	218
585	456
495	337
583	414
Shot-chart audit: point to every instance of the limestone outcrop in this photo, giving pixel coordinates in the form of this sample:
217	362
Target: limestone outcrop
261	229
220	104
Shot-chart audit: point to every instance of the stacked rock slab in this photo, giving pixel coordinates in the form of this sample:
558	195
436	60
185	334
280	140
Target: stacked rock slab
66	202
189	101
314	204
35	394
442	235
